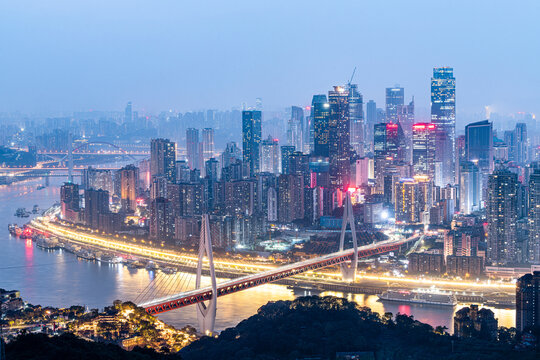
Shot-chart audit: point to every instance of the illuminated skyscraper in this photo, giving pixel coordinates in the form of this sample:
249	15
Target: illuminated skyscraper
270	156
286	152
534	217
443	114
251	141
501	213
339	138
528	301
69	199
295	131
395	99
356	118
208	143
479	145
469	188
320	112
371	120
129	176
423	153
192	148
163	159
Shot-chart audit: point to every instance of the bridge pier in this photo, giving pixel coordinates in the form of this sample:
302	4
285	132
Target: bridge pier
348	270
206	313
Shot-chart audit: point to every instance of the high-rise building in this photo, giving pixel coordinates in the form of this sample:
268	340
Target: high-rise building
96	203
161	220
251	140
528	301
97	179
406	201
423	149
231	155
208	143
163	158
69	199
443	114
479	145
295	135
534	217
395	99
356	119
320	112
405	118
286	152
270	155
469	188
192	148
501	213
128	114
129	176
290	198
371	120
522	145
339	138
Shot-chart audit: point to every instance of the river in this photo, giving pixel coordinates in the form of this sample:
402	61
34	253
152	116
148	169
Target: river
59	279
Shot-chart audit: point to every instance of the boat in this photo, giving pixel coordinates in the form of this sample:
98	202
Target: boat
35	209
41	187
108	259
46	244
137	264
86	255
427	297
14	230
152	266
21	212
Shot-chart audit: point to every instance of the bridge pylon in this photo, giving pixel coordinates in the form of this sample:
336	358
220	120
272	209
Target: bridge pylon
206	313
348	270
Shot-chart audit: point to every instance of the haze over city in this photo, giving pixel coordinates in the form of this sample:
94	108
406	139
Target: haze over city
269	180
78	56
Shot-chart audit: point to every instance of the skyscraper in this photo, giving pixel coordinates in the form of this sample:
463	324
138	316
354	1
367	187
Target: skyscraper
371	120
286	152
339	138
423	149
96	203
395	98
192	148
208	143
528	301
443	114
356	118
522	145
479	145
129	176
128	114
251	140
501	213
320	112
270	156
534	217
163	158
69	199
295	134
469	188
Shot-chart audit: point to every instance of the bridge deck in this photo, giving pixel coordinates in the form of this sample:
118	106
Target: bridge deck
231	286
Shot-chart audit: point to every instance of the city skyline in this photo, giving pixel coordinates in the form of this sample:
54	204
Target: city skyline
154	66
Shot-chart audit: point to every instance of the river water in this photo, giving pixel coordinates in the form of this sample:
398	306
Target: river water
59	279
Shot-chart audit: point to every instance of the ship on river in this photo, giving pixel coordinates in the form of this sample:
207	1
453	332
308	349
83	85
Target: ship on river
427	297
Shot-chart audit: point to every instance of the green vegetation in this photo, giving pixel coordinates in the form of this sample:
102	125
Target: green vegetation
321	327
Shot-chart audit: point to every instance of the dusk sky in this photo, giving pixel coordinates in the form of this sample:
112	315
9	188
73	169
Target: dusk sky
61	56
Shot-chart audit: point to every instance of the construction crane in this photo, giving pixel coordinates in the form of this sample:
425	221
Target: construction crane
352	77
